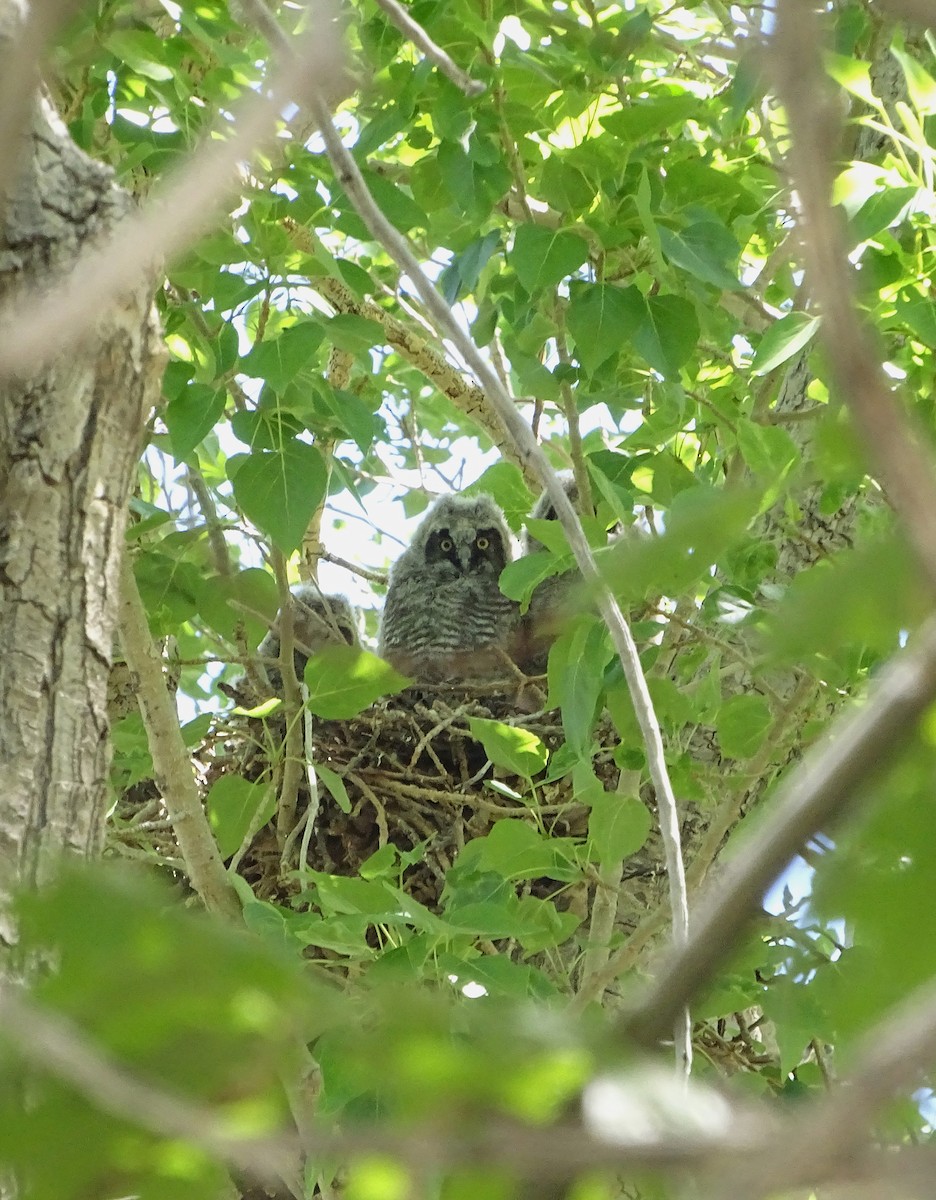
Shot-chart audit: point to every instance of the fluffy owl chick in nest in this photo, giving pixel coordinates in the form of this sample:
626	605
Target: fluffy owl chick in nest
318	621
445	618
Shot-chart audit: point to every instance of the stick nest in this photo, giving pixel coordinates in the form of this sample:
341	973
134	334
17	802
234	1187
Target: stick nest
415	778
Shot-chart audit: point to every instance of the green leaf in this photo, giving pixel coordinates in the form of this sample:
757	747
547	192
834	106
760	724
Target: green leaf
576	677
542	257
395	203
519	579
703	522
768	449
354	333
697	259
515	850
853	76
857	597
782	340
234	805
564	187
504	481
463	272
617	826
344	680
650	116
280	490
920	84
191	415
341	895
354	416
880	211
541	925
282	359
666	333
227	601
918	314
143	51
516	750
598	318
335	785
742	725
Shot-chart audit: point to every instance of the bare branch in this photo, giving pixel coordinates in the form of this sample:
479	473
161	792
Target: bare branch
292	707
818	792
170	757
422	41
338	376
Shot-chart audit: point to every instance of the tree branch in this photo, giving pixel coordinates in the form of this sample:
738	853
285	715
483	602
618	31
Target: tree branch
831	1134
467	397
292	707
422	41
173	769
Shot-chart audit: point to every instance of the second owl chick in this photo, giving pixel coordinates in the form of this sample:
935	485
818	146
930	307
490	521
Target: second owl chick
445	618
318	621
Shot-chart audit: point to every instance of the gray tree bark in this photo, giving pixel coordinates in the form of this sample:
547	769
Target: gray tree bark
70	437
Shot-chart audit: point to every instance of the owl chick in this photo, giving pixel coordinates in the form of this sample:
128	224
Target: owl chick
445	617
318	621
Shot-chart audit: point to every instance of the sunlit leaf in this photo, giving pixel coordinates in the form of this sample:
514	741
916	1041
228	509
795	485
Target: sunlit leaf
344	680
235	805
514	749
782	340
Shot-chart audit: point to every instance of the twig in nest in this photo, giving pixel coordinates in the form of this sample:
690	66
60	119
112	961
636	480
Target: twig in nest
368	792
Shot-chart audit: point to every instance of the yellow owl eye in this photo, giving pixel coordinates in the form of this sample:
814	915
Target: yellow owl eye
482	543
446	544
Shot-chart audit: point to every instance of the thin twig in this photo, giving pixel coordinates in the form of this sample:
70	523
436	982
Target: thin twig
337	377
378	577
214	526
579	468
292	706
422	41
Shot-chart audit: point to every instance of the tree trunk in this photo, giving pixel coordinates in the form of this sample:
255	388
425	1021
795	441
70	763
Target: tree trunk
70	438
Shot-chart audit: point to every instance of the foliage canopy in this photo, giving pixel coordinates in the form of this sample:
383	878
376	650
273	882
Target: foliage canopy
612	219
